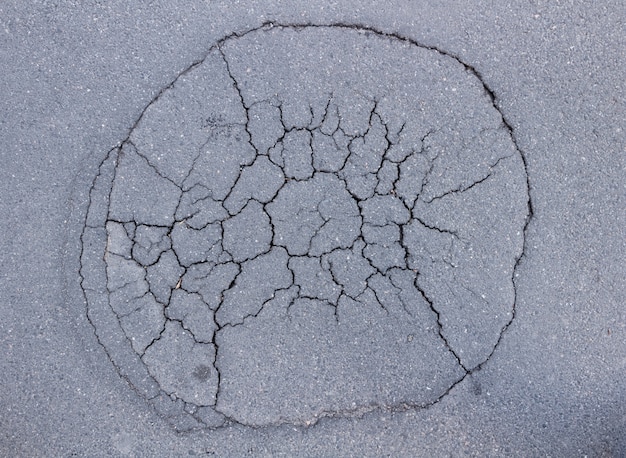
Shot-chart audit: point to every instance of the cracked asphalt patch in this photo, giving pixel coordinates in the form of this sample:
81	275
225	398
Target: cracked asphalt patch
273	244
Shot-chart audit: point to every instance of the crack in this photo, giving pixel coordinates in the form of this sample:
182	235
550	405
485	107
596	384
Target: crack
344	175
436	228
462	189
437	314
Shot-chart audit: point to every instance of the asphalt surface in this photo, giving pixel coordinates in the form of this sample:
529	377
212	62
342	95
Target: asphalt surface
308	229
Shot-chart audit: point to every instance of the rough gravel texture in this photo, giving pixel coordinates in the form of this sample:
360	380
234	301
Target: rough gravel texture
306	228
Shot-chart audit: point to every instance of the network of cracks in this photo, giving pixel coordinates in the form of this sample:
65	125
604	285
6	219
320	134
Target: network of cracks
311	221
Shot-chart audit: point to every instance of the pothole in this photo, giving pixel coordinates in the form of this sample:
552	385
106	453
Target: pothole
313	221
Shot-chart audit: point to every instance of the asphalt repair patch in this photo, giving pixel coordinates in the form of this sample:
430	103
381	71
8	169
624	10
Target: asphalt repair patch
312	221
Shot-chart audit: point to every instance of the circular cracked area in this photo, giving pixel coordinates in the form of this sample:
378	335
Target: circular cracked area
313	221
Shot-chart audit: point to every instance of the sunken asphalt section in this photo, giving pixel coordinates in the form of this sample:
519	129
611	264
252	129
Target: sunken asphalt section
307	229
259	231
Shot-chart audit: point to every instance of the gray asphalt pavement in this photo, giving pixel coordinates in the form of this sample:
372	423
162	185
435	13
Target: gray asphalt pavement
312	229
